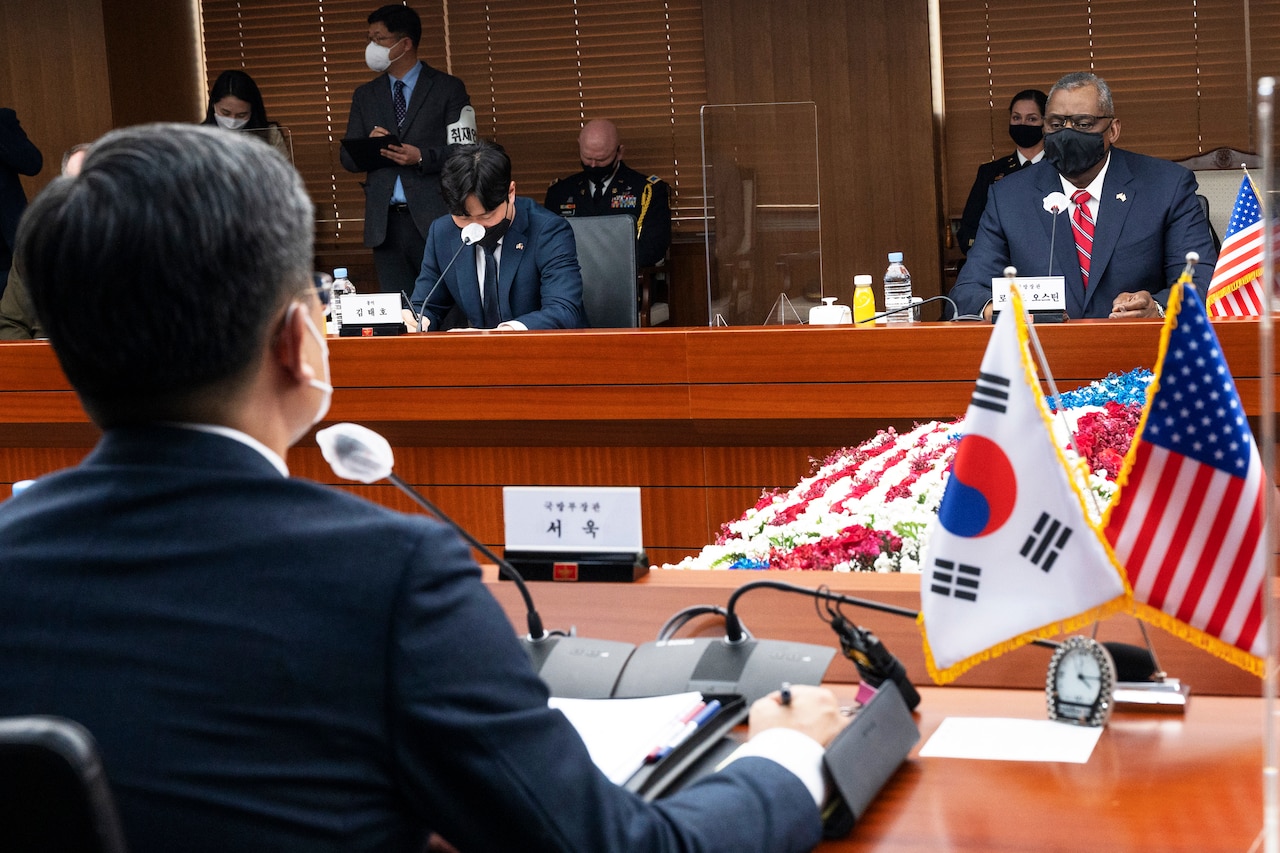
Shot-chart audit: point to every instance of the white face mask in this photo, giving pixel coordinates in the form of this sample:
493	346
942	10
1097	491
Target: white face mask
377	57
324	387
230	123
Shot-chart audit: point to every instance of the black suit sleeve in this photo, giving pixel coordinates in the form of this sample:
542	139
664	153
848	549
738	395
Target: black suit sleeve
973	209
17	152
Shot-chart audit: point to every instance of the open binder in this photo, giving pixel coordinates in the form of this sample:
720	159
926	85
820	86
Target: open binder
653	780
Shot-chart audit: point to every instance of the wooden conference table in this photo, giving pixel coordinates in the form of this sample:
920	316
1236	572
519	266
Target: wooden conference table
1155	782
703	420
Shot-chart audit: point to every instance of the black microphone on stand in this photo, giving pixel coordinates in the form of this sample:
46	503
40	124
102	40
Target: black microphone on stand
471	234
571	666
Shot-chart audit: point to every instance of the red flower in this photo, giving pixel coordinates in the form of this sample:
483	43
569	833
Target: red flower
1103	438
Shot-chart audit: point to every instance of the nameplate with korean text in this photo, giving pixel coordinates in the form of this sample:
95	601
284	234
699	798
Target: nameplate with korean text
572	518
1039	293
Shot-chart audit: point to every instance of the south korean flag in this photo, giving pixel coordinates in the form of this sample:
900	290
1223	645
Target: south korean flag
1012	555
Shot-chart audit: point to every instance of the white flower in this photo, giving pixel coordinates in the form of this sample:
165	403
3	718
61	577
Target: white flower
1055	203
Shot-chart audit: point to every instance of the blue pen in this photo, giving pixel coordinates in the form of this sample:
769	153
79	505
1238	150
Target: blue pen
692	726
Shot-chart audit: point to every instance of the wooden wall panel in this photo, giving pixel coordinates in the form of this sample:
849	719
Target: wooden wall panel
155	60
53	72
866	66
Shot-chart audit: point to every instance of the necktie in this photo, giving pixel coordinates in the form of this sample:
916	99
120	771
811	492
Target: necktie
1082	228
397	100
492	316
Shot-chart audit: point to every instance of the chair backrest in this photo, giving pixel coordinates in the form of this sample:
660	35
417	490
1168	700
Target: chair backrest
53	791
607	255
1218	174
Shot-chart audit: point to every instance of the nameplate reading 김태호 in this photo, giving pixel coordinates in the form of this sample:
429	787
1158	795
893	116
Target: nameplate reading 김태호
365	309
1039	293
566	518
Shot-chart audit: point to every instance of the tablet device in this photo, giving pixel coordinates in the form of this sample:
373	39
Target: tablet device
367	151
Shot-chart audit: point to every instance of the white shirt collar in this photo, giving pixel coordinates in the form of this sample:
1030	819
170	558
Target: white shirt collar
242	437
1022	158
1094	189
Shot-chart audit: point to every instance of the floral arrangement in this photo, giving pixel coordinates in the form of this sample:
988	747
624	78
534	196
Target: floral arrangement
868	508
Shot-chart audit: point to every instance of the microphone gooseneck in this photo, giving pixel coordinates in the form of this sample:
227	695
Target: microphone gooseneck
955	311
536	632
355	452
734	632
470	235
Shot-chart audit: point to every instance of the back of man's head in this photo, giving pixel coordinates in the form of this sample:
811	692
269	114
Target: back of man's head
398	18
161	270
482	169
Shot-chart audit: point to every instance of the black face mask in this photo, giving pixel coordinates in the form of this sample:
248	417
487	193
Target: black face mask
599	174
1073	152
1026	135
494	233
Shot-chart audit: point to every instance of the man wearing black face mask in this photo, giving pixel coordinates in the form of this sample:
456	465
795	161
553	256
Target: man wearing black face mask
523	273
606	185
1123	222
1026	129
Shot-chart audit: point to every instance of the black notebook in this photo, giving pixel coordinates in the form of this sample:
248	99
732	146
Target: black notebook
367	151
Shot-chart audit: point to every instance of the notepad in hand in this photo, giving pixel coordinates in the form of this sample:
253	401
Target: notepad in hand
367	151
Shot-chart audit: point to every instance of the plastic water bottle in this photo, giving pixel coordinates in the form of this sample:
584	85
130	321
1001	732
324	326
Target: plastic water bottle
897	291
864	301
341	286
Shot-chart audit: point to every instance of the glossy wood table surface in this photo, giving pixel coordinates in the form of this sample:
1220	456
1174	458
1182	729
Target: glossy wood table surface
1155	782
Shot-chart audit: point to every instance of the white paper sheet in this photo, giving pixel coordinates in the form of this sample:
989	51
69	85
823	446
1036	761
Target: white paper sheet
620	733
1006	739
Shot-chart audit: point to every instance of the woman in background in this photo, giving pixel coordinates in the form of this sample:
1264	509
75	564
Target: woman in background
235	103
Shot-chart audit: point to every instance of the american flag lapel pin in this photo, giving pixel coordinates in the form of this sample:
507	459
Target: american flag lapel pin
520	246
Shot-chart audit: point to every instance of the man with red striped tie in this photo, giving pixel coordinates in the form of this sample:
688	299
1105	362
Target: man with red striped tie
1121	238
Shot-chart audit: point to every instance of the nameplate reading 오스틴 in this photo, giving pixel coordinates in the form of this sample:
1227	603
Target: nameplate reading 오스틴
567	518
1039	293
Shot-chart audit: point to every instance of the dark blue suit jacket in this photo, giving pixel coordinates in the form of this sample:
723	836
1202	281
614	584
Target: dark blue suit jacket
18	156
1148	219
273	665
539	281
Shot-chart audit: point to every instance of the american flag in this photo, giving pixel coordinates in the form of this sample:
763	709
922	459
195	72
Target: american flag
1187	524
1236	288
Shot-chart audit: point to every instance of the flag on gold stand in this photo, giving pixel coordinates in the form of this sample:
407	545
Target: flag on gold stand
1236	287
1187	520
1012	556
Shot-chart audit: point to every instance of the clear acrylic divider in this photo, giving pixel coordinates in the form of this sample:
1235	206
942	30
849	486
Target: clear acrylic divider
763	216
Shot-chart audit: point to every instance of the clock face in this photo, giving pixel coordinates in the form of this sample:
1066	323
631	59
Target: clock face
1079	678
1079	683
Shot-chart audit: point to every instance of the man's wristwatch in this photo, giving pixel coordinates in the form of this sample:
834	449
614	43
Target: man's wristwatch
1159	308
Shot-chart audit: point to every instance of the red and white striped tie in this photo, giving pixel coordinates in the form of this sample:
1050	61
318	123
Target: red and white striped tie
1082	228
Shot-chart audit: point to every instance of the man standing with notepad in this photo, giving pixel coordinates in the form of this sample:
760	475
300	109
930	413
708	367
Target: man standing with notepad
428	111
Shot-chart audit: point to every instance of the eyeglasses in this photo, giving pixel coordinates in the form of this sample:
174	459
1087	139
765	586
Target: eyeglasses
322	284
1082	123
387	40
